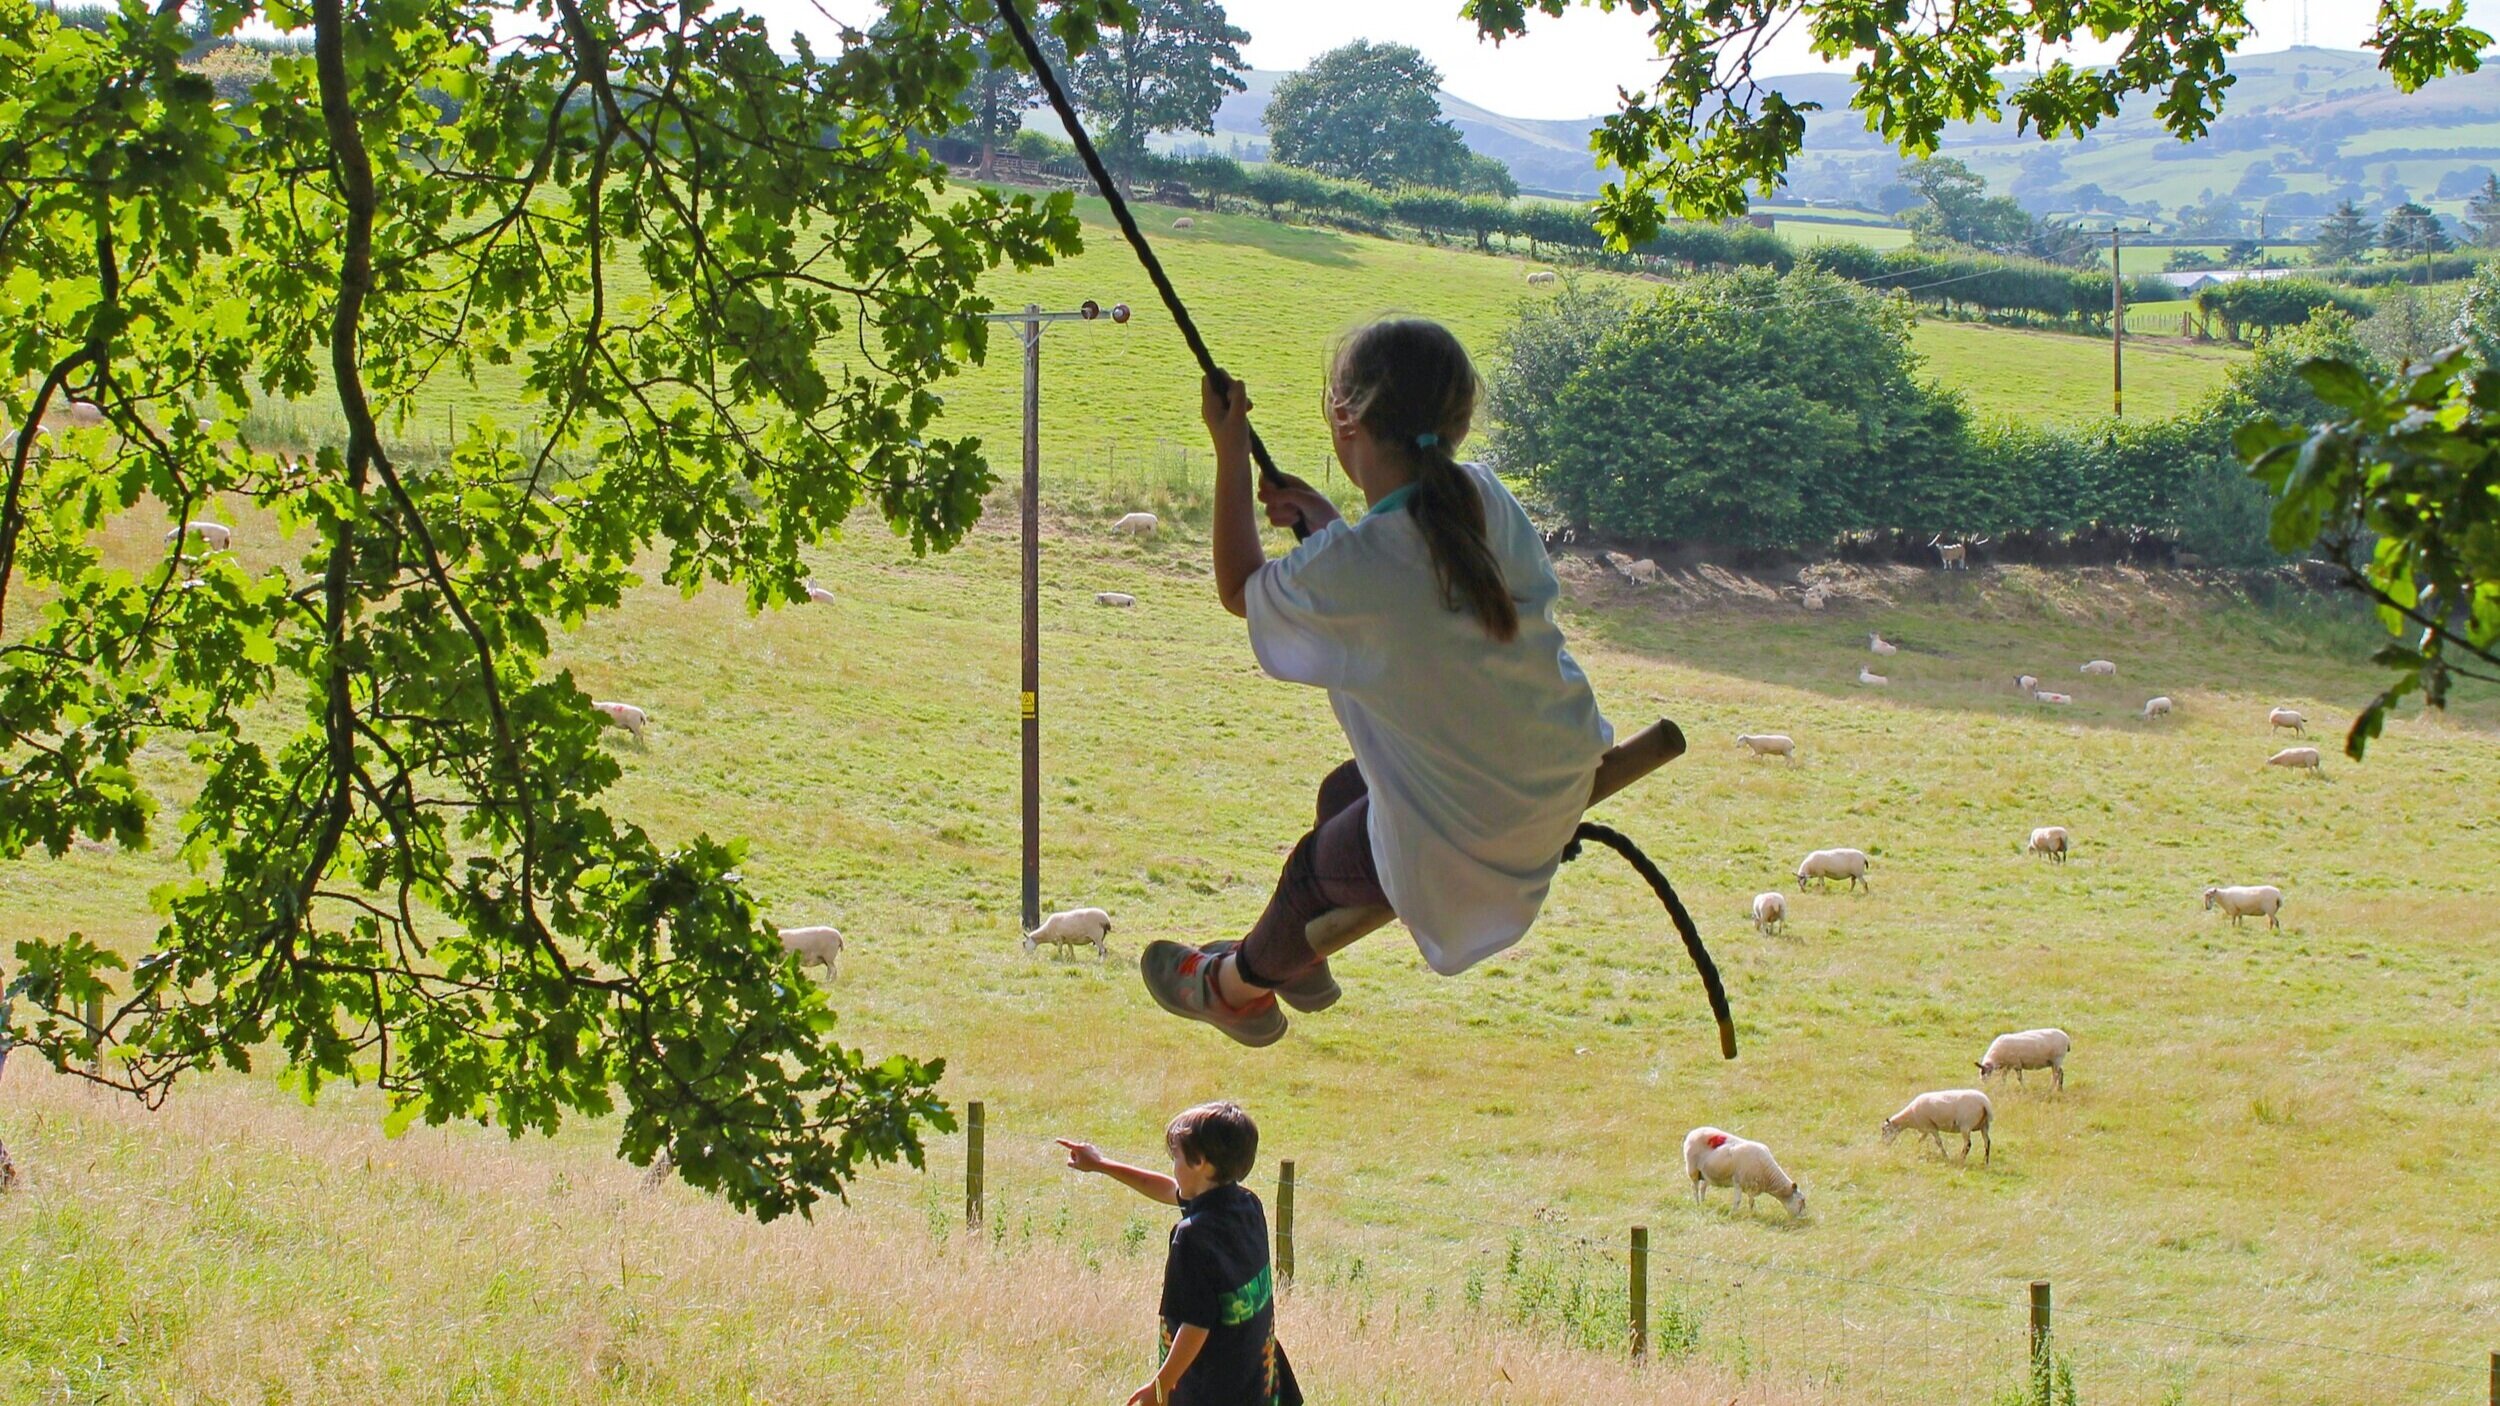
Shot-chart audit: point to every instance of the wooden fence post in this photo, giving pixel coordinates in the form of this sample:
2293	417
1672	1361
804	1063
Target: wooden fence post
1640	1292
972	1165
2039	1320
1284	1222
2495	1379
95	1031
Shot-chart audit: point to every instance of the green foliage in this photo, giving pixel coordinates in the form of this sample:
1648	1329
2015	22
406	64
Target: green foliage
2399	483
2477	324
1368	112
1957	209
2343	237
1166	69
2482	215
2412	230
417	883
2251	306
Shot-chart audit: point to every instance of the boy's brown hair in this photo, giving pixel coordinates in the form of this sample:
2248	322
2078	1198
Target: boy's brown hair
1219	1134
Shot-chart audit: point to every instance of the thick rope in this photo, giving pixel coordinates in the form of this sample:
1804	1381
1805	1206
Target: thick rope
1621	844
1128	226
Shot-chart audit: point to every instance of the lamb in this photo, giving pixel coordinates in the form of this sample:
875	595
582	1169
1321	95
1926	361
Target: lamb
1076	927
1770	912
1830	864
1769	744
1715	1158
1137	525
2027	684
2054	699
2288	717
1963	1111
1120	599
2158	707
1542	277
216	534
626	716
1950	555
2298	757
821	945
2049	840
1645	571
1872	679
818	595
2102	667
2250	901
1875	641
1184	222
2030	1049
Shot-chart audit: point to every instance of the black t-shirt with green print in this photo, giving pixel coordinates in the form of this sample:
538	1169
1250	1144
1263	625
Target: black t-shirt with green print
1217	1277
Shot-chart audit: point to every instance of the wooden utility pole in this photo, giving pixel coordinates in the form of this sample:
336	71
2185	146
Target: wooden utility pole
2117	329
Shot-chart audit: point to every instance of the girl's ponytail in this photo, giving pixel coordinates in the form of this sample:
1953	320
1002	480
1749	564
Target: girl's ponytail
1409	382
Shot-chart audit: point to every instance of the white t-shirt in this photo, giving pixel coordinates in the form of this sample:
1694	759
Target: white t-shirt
1478	753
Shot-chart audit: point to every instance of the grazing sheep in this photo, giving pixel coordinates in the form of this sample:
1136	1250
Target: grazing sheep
2102	667
1769	744
1542	277
2298	757
216	535
2026	684
2156	707
1952	555
1715	1158
1872	679
1077	927
2049	840
1830	864
1963	1111
820	945
626	716
1875	641
83	414
2042	695
1645	572
1137	525
1184	222
2249	901
2288	717
818	595
1121	599
2030	1049
1816	597
1770	912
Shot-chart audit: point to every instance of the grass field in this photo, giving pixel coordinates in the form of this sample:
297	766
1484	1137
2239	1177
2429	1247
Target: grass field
2059	378
2269	1139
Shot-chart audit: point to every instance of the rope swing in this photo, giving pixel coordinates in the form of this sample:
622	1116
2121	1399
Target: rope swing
1668	743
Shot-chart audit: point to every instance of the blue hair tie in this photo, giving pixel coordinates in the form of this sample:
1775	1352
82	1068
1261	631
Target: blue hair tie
1426	440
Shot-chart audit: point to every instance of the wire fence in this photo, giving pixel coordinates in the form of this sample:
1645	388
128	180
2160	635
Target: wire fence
1850	1336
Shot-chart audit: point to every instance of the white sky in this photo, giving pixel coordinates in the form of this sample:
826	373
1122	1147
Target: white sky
1570	67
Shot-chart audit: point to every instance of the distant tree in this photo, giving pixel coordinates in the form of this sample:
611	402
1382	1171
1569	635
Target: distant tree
1001	92
1367	112
2091	199
1957	209
1487	175
2343	237
2216	217
2405	325
2413	230
1167	72
2257	181
2189	259
2482	215
2477	324
2241	253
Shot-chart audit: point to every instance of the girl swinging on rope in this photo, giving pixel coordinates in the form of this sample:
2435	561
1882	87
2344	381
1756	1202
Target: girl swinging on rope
1431	624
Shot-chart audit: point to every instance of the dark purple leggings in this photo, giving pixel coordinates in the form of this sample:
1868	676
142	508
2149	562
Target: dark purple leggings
1331	868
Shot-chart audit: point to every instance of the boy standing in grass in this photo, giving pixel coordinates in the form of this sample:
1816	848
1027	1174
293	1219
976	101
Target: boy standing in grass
1219	1299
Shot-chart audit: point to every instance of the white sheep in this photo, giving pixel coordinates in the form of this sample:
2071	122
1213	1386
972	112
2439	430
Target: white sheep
1077	927
1542	277
1830	864
2049	840
2298	758
83	414
821	945
1875	641
2026	684
1963	1111
1872	679
2057	700
2029	1049
626	716
1184	222
2248	901
1137	525
216	534
1769	744
1816	597
1950	555
818	595
2157	707
1119	599
2288	717
1770	911
2101	667
1645	571
1715	1158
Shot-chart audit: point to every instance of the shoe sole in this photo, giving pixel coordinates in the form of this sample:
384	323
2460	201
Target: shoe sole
1200	1016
